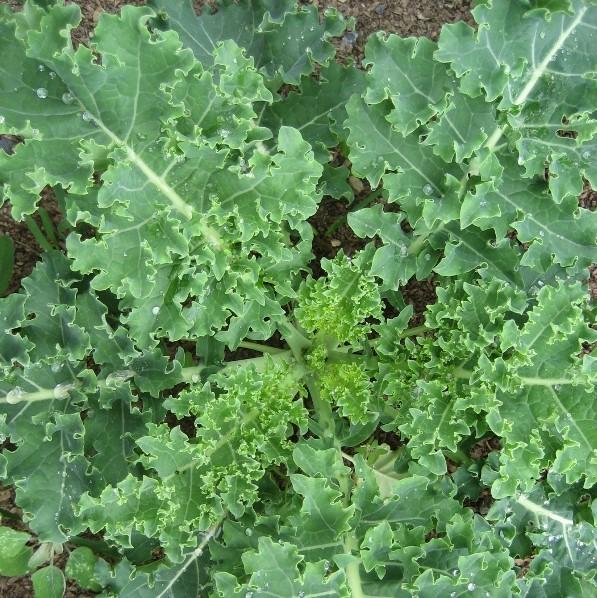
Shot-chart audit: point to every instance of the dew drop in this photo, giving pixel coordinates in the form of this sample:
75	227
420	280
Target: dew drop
14	396
68	98
55	367
249	595
327	566
42	93
86	116
155	311
52	75
301	594
61	391
427	189
542	35
195	379
452	594
541	233
471	587
455	572
41	68
586	155
2	119
248	532
507	69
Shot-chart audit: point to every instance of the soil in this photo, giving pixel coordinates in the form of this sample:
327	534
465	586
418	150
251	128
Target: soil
404	17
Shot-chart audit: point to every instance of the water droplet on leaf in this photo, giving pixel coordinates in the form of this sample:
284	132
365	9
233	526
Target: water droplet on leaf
42	93
68	98
428	189
155	311
61	391
14	396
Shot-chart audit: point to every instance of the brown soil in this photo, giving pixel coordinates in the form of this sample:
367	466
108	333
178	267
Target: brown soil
404	17
27	251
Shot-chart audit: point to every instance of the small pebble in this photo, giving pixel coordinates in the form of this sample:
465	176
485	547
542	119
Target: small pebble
380	9
335	243
350	38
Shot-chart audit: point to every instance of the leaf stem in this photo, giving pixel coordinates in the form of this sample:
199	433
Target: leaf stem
37	234
260	347
539	510
529	380
48	226
353	574
294	338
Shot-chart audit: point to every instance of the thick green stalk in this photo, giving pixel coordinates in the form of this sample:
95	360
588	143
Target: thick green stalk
353	574
295	339
260	347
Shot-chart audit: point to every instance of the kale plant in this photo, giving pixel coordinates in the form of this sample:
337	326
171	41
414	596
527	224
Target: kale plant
188	409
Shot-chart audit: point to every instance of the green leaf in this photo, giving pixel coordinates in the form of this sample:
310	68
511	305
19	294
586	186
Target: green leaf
14	552
562	230
393	262
376	146
515	52
48	582
318	111
404	71
282	39
462	128
472	248
80	567
338	305
49	489
348	386
274	572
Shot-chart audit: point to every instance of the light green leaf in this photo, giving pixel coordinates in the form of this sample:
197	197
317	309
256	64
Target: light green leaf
48	582
14	552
